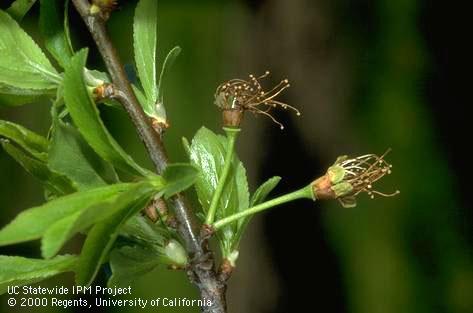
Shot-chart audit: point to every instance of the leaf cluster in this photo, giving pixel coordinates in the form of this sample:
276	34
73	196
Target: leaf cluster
207	152
92	186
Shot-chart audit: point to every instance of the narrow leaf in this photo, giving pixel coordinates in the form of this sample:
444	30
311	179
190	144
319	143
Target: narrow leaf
142	229
31	224
86	117
259	196
52	27
130	262
35	144
186	145
264	190
67	32
100	240
53	182
15	100
101	237
17	271
70	155
148	109
144	43
11	96
61	231
159	111
24	69
179	177
168	62
19	8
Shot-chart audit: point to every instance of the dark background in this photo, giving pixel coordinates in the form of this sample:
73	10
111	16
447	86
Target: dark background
367	75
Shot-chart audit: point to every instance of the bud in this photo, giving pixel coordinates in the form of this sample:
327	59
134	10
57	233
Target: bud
226	269
104	91
94	78
157	209
346	178
232	258
176	254
98	85
237	96
103	8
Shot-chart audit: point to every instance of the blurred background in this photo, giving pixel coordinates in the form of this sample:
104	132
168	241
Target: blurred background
367	76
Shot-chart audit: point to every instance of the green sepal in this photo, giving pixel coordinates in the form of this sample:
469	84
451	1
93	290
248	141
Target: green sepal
342	189
348	201
336	173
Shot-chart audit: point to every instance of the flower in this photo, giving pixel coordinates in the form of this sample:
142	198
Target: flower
347	178
236	96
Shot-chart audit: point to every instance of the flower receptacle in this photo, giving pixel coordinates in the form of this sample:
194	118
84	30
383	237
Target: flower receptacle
232	117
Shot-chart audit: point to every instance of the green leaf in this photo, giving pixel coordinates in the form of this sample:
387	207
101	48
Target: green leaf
158	111
52	27
94	78
140	96
24	69
19	8
101	237
264	190
179	177
144	43
207	152
16	100
53	182
70	155
140	228
186	145
31	224
168	62
35	144
100	240
258	197
61	231
17	271
67	32
129	262
15	97
86	117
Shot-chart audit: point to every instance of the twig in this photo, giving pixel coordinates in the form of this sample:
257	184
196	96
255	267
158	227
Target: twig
202	266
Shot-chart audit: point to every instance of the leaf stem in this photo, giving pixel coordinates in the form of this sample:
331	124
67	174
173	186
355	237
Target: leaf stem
305	192
232	134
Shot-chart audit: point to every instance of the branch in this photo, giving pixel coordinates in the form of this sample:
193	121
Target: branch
202	267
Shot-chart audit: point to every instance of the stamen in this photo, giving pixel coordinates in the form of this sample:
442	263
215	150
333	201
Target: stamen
363	171
270	116
250	95
386	194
